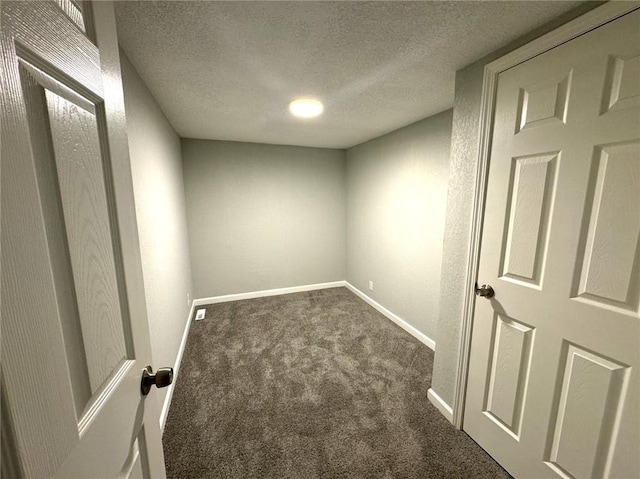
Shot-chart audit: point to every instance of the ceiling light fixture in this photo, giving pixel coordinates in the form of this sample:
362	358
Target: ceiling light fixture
306	108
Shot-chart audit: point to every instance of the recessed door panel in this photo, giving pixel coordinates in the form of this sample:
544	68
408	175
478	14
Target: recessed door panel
530	198
587	414
76	147
512	344
71	181
543	103
609	271
622	88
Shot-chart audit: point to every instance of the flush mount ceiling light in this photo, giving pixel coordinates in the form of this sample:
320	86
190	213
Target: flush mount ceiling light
306	108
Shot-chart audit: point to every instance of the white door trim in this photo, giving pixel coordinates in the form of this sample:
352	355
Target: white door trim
589	21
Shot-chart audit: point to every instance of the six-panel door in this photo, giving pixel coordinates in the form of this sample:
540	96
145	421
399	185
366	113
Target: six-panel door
553	378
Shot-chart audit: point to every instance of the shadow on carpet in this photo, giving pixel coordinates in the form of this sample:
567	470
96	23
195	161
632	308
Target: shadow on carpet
310	385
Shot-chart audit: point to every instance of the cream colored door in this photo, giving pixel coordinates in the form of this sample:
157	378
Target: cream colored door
74	327
553	378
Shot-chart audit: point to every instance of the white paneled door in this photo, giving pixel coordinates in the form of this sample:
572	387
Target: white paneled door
553	377
74	327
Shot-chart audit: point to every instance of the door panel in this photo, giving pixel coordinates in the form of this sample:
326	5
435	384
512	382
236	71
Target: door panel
611	228
509	367
531	191
75	335
76	150
62	276
622	89
68	138
544	103
553	388
587	413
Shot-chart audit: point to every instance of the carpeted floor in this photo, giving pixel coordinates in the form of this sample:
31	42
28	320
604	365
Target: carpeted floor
310	385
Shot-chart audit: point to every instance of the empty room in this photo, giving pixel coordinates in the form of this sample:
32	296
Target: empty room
320	239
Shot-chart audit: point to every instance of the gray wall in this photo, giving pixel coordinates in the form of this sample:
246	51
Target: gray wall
263	216
464	144
156	165
396	199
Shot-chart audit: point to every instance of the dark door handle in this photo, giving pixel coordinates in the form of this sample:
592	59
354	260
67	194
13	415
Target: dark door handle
160	379
486	291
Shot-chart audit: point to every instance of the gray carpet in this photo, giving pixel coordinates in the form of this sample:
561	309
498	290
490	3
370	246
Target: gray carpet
307	385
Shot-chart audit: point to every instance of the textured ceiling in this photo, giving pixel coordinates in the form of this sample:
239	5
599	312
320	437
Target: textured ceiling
227	70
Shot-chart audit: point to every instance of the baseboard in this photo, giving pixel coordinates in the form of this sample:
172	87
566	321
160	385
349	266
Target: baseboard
423	338
267	292
176	368
439	403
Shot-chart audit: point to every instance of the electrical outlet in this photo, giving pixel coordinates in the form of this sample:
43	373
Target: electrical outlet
188	299
200	314
370	285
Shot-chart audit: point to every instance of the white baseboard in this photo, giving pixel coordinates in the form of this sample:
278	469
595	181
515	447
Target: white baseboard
423	338
176	368
438	402
267	292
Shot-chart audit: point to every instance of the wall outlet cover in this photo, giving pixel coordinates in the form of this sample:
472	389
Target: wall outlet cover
370	285
200	314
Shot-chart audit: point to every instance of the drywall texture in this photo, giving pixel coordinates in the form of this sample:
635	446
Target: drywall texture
156	165
263	216
464	145
396	200
227	70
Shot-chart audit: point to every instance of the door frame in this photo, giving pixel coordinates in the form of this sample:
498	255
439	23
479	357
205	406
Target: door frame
579	26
